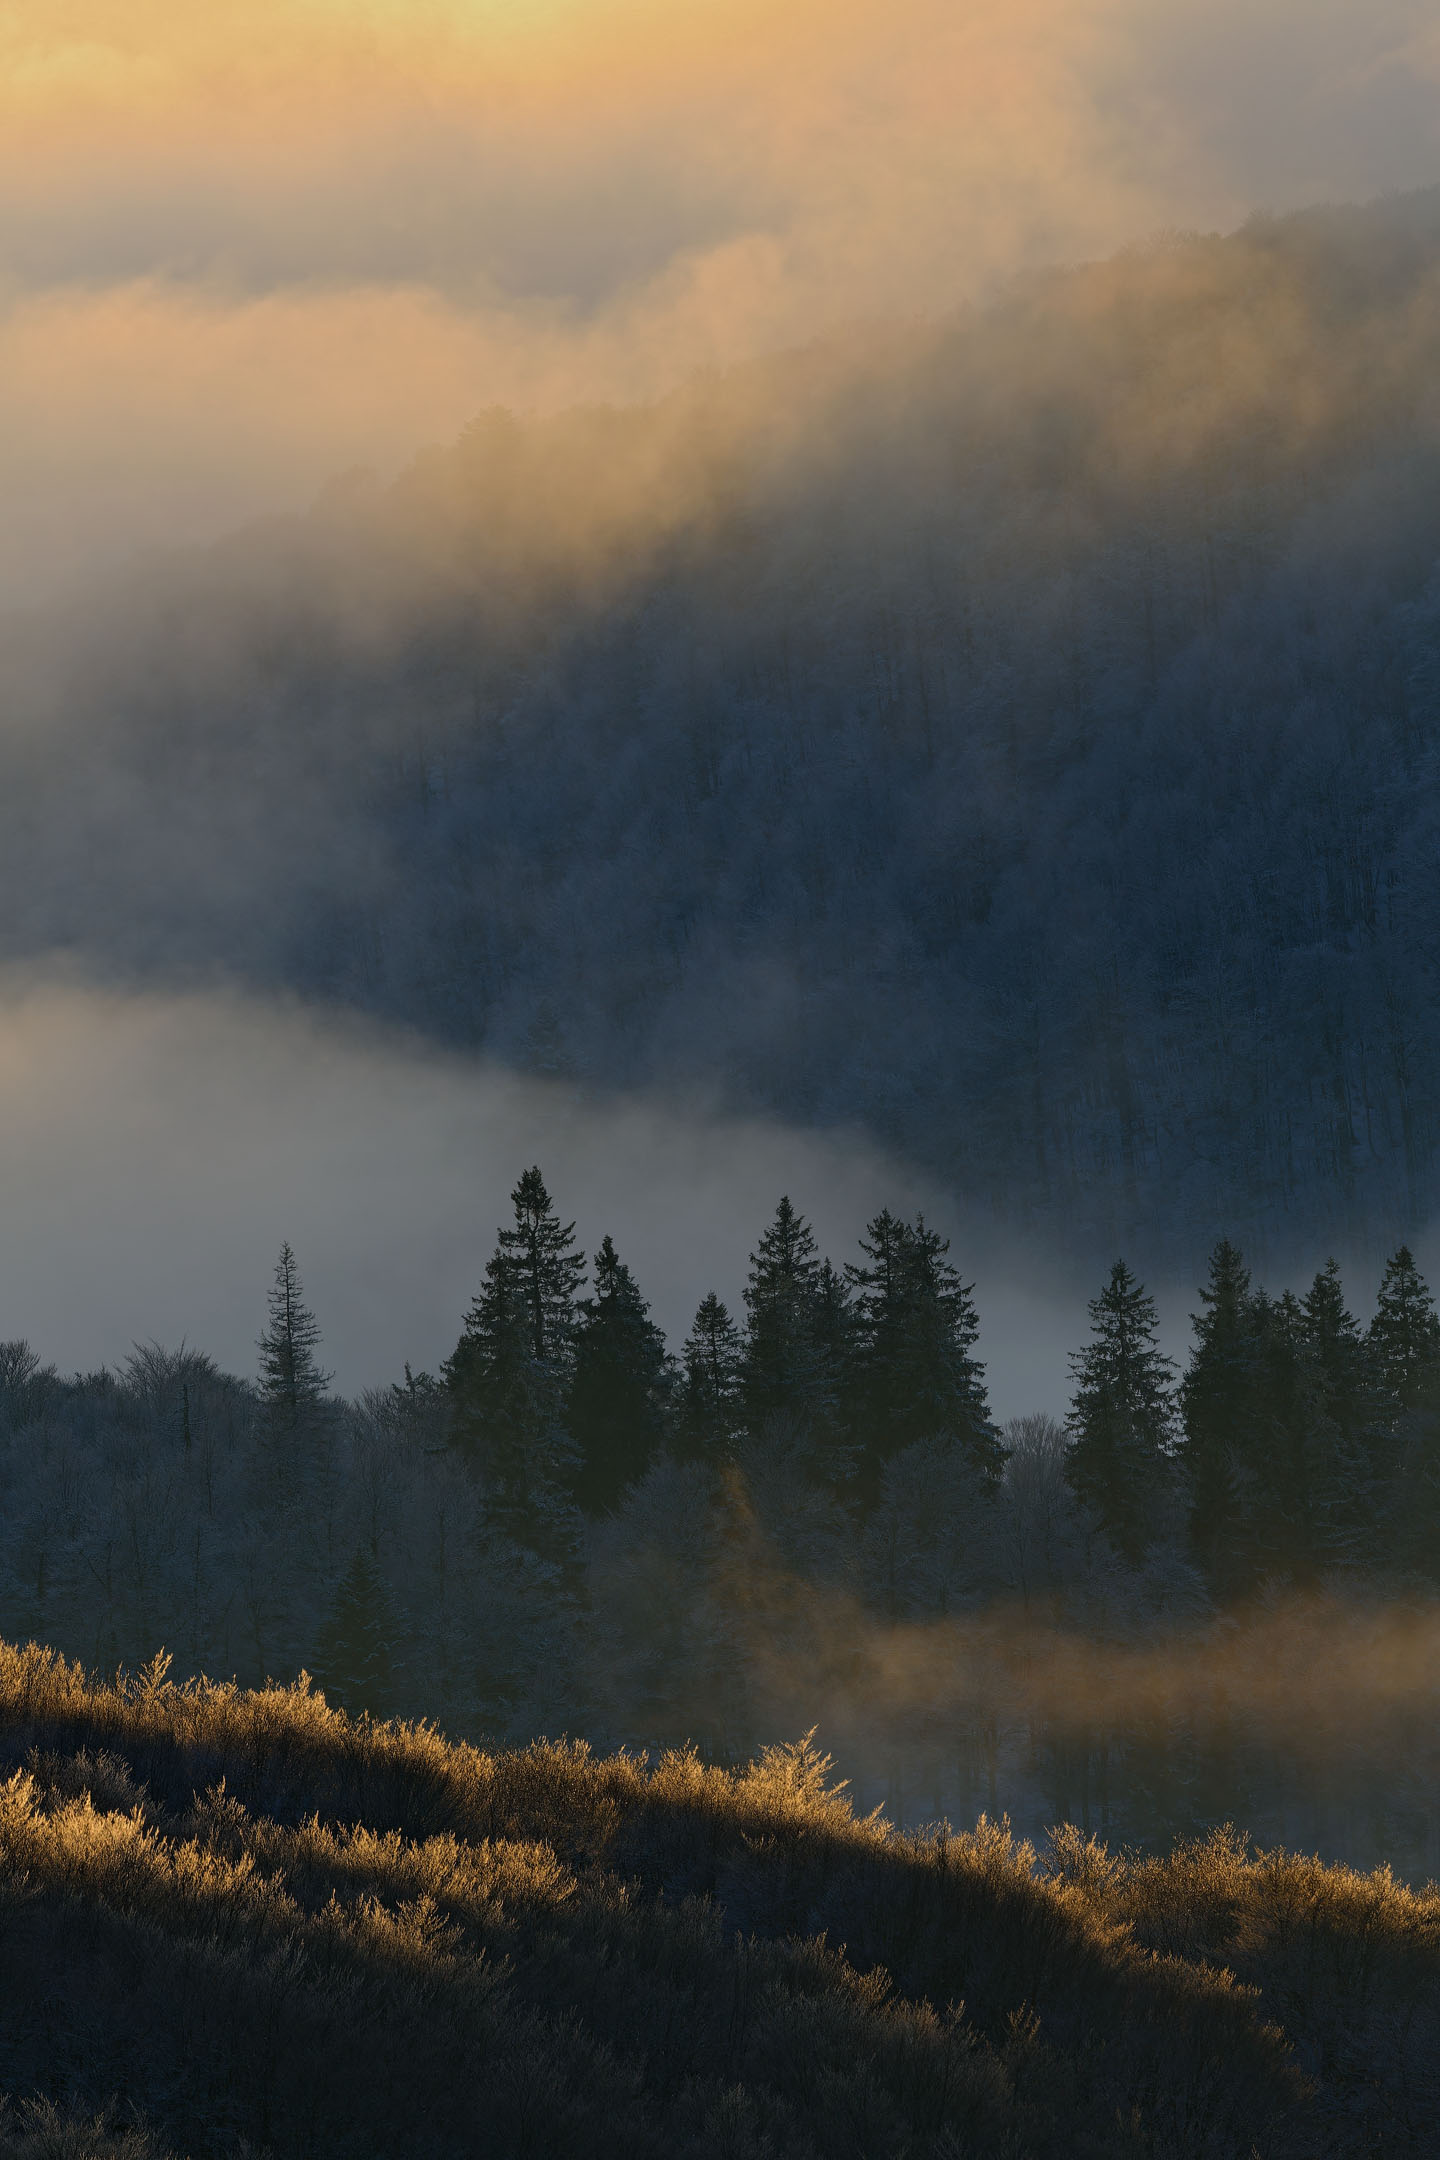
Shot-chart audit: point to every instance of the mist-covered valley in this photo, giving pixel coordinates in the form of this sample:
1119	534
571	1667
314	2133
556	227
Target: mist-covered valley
719	1147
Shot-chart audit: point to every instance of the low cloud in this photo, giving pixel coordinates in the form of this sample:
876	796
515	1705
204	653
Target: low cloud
159	1149
248	248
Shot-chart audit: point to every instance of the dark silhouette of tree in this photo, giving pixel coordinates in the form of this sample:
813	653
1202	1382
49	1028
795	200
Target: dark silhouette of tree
1351	1413
712	1360
1403	1342
546	1266
1403	1339
1122	1416
619	1385
509	1375
784	1375
914	1330
1300	1508
1219	1407
292	1385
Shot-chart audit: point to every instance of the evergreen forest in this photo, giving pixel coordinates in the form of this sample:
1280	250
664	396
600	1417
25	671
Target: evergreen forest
1206	1596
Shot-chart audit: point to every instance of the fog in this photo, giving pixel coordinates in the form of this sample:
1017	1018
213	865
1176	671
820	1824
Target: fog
157	1151
248	248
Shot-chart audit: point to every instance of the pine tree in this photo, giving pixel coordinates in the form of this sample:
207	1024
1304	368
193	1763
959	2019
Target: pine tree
712	1361
1219	1402
1297	1511
509	1375
914	1329
619	1385
784	1371
292	1386
1351	1415
1403	1342
546	1266
357	1640
1122	1416
1403	1339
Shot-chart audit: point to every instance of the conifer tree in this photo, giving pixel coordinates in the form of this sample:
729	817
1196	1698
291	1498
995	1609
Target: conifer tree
1403	1339
1122	1415
357	1641
914	1329
619	1385
784	1369
1403	1342
712	1361
509	1375
1219	1404
546	1267
1347	1472
292	1385
1298	1511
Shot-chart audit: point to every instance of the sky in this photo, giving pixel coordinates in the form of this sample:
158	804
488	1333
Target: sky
246	247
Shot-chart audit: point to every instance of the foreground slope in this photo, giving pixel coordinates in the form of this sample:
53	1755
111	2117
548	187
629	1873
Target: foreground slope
260	1927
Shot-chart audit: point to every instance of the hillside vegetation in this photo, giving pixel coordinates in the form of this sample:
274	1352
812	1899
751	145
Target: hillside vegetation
1018	735
249	1925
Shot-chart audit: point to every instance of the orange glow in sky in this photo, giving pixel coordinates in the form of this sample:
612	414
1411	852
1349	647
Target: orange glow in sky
246	244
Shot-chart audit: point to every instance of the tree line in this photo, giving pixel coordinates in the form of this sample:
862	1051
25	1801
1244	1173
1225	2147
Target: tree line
572	1528
1295	1443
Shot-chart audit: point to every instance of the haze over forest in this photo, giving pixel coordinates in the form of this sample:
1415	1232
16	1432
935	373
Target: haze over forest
833	669
731	712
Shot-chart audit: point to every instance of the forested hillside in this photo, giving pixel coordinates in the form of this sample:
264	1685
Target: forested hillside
1207	1597
1019	735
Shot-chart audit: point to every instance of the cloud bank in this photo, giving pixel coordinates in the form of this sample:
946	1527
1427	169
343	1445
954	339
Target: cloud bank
159	1149
247	247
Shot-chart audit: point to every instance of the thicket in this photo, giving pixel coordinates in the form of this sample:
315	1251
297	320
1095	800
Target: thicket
807	1514
253	1925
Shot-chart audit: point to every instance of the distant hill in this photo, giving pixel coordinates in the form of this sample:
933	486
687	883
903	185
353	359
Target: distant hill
238	1923
1018	734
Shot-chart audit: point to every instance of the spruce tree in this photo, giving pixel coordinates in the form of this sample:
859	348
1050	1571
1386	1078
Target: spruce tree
914	1330
1403	1342
1347	1471
509	1375
712	1362
1403	1339
1122	1416
546	1266
1298	1496
1219	1403
618	1387
292	1385
784	1373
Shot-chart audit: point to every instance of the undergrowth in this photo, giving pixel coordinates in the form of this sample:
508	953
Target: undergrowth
238	1923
